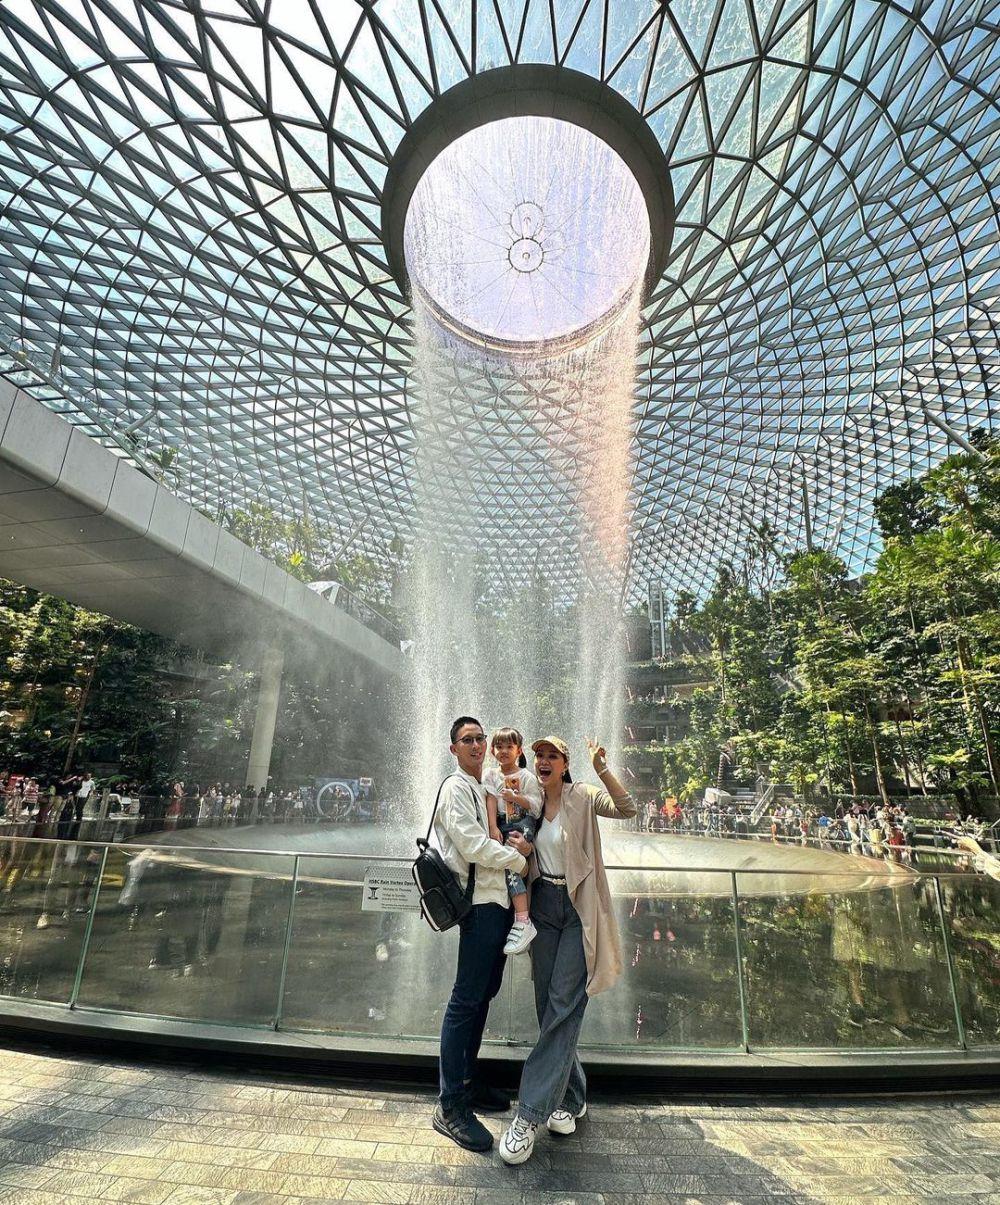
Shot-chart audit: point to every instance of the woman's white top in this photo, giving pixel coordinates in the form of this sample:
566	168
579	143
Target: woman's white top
549	841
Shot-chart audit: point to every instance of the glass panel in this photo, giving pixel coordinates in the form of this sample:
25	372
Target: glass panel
192	934
679	988
845	962
373	973
46	890
972	912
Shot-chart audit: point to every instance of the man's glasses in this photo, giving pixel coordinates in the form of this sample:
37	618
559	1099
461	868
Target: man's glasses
472	740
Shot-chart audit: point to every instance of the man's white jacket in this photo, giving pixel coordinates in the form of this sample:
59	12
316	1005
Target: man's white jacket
462	836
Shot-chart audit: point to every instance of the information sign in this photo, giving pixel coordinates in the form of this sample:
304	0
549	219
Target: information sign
389	887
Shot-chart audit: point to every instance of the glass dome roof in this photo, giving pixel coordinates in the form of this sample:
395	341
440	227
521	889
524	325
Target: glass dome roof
190	248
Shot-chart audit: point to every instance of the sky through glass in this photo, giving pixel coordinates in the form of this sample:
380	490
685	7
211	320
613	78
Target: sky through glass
526	232
190	251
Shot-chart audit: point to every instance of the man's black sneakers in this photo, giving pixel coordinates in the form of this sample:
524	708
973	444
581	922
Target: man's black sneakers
484	1098
463	1127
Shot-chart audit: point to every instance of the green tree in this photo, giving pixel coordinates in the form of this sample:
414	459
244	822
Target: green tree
950	578
306	549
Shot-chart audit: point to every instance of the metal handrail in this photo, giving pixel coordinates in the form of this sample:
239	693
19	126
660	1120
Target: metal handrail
892	870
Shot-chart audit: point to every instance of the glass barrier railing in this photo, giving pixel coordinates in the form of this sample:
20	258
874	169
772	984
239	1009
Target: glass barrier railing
713	959
113	817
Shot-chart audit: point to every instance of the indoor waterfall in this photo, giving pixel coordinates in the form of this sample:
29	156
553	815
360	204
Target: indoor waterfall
526	289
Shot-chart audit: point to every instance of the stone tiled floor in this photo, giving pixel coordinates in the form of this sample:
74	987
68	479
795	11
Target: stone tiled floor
79	1128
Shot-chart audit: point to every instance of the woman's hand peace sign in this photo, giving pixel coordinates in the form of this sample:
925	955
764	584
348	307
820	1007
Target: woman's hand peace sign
598	756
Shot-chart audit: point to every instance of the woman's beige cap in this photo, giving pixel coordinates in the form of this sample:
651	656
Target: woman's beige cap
556	742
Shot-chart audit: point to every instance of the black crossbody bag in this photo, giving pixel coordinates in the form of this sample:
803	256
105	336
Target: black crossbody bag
443	902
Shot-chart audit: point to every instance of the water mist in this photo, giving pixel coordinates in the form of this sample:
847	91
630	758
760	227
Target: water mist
526	243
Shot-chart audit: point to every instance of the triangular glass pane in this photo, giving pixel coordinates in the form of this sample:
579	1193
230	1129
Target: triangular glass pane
672	66
537	42
733	41
629	77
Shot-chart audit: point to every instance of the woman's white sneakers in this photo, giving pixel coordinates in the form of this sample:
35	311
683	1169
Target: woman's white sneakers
562	1121
519	1141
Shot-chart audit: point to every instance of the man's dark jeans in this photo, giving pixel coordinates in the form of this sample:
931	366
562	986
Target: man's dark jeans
481	960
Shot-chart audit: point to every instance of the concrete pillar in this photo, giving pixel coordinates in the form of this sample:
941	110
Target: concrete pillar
271	665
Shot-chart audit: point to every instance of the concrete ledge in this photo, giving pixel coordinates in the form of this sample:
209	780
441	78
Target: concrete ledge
79	522
725	1070
253	573
8	392
88	472
169	522
132	498
201	540
35	440
228	562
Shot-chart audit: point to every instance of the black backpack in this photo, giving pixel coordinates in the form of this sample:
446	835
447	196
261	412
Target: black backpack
443	903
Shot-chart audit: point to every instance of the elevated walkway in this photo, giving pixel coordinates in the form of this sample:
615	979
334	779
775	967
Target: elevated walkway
78	522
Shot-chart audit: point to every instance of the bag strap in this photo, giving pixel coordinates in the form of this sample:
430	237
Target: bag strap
470	886
437	800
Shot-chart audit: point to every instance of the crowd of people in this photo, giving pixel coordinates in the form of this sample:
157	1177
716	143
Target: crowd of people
875	830
51	808
33	807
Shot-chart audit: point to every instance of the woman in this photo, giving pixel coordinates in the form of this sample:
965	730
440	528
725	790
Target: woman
577	952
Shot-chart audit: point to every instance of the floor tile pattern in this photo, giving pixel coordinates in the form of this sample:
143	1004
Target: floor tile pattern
76	1128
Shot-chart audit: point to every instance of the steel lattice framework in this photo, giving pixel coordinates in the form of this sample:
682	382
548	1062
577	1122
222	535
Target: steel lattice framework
190	250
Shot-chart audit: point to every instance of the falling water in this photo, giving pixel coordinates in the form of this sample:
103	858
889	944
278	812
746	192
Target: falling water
526	252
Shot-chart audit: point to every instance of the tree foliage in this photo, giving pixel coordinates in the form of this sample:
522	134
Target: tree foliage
889	682
309	551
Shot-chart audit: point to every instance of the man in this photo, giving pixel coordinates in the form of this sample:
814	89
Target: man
909	827
81	798
854	833
462	836
85	789
664	816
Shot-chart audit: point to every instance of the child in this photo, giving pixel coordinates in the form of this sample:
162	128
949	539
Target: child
516	790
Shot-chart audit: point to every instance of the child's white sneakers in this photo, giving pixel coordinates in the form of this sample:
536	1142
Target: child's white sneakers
562	1121
518	1141
522	934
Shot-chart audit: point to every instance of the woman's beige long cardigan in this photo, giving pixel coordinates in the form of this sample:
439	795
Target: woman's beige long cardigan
586	880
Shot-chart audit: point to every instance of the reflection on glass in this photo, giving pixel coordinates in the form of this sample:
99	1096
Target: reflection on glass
355	972
45	894
862	968
180	935
830	961
972	912
678	988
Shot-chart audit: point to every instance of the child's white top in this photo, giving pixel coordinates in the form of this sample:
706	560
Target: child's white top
493	781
